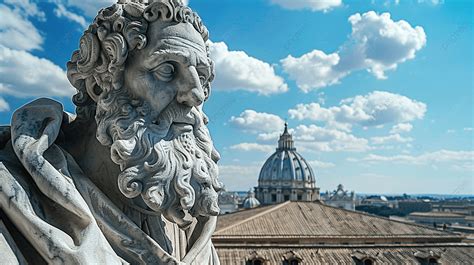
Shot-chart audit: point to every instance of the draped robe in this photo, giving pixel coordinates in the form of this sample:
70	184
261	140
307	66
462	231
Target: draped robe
51	212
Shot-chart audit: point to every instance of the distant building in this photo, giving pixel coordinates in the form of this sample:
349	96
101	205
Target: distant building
228	202
441	218
286	175
340	198
465	207
409	206
250	201
314	233
376	200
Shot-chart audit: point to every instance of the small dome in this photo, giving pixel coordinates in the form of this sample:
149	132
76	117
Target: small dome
251	202
286	164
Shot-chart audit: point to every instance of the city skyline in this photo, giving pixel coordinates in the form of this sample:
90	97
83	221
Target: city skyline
377	94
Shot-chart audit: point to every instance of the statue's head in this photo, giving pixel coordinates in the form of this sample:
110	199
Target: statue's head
143	73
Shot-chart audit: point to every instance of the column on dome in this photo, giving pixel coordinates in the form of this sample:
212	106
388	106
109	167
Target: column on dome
279	195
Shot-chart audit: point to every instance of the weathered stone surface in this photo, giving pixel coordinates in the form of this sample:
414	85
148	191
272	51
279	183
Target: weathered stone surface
132	178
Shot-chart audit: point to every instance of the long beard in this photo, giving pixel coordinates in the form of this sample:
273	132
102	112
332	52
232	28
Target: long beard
171	167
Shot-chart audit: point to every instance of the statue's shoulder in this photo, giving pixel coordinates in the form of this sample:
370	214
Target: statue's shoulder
5	136
32	119
37	109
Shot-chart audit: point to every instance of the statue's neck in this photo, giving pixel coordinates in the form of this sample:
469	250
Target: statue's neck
93	158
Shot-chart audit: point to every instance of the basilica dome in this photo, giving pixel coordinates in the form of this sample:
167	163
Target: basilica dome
286	175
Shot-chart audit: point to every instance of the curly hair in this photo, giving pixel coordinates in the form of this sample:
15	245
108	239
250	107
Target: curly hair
98	66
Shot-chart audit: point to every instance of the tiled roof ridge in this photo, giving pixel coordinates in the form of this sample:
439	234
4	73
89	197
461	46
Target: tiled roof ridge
271	209
362	246
382	217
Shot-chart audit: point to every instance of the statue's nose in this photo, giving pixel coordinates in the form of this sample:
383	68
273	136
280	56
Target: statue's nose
192	94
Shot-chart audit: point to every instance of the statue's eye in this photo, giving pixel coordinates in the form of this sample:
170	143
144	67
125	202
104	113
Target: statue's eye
164	72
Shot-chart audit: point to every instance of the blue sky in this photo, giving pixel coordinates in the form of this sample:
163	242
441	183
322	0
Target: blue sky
378	94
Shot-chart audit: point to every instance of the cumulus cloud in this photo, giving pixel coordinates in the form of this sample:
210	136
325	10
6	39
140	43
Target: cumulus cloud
316	138
401	128
21	73
89	7
321	164
28	8
268	128
377	44
61	11
313	5
236	70
271	137
374	109
17	31
464	159
433	2
239	177
253	147
393	138
313	70
25	75
257	122
4	105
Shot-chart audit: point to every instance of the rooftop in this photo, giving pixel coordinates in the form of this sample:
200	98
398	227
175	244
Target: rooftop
448	254
315	220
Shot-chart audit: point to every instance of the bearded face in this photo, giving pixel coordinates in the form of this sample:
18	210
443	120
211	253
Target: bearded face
154	123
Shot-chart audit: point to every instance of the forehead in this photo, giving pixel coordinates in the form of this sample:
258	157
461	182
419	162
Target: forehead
174	37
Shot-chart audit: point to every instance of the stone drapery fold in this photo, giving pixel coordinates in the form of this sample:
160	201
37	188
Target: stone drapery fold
59	210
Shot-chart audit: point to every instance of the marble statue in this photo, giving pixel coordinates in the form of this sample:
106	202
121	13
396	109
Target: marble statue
132	178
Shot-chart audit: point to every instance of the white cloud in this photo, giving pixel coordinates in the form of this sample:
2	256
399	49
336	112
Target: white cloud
16	31
235	70
271	137
468	129
90	7
257	122
313	70
253	147
393	138
268	128
321	164
433	2
463	159
29	9
61	11
21	73
374	109
376	44
25	75
401	128
239	177
315	138
313	5
4	105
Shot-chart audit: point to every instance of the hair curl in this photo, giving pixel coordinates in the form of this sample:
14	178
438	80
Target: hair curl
98	66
